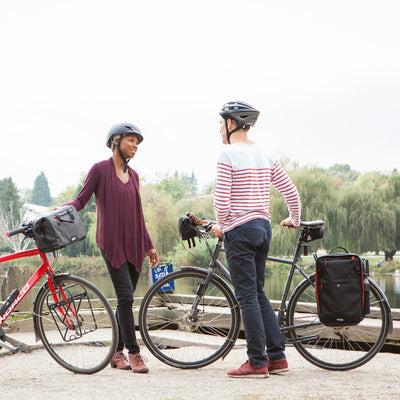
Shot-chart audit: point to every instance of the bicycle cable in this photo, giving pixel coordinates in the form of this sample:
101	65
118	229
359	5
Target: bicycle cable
201	237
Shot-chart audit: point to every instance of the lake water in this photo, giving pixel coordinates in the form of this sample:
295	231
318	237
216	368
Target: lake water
273	286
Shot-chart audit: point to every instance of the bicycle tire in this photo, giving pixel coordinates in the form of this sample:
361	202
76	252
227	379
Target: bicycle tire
336	348
170	334
76	325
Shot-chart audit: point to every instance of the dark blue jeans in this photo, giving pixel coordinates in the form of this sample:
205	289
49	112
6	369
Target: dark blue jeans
247	249
124	280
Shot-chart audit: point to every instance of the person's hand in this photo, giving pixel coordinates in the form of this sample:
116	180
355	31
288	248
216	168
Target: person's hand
217	230
55	208
287	222
153	258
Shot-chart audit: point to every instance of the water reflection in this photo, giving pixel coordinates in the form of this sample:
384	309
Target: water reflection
397	284
274	285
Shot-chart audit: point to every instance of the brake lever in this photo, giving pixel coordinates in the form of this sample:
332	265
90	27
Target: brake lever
208	226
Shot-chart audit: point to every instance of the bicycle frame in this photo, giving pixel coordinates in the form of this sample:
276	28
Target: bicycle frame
215	264
44	268
293	268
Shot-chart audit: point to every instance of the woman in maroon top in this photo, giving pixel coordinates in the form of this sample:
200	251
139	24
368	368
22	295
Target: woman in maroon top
121	232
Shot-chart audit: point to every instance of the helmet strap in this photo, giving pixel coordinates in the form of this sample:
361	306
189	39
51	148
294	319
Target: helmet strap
228	134
120	153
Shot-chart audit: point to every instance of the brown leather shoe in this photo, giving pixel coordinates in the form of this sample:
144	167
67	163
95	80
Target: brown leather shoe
119	361
137	363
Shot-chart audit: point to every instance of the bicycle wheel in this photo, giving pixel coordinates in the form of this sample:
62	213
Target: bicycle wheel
181	334
76	324
336	348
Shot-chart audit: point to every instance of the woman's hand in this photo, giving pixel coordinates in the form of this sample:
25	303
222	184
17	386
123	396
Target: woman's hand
153	258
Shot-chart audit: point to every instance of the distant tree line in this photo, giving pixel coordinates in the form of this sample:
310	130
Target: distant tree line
361	211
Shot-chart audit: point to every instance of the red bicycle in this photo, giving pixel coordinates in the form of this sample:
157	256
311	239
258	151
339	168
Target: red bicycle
71	317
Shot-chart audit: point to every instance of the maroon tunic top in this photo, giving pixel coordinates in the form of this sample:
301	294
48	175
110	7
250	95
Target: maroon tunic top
121	231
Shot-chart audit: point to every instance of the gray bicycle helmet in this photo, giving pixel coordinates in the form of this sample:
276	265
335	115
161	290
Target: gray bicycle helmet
244	114
121	130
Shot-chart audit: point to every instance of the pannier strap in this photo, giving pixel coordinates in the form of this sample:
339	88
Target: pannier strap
331	251
69	221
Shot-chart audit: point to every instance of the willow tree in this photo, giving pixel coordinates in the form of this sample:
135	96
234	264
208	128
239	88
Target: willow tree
161	219
319	201
390	191
371	214
394	184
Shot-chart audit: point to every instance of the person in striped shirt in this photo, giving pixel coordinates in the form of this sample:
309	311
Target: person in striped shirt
245	174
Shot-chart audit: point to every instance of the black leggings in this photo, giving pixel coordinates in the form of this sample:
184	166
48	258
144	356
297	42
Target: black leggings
125	280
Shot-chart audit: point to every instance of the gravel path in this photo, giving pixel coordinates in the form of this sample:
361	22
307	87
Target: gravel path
36	376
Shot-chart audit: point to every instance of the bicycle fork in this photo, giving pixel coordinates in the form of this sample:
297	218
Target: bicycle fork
199	292
202	286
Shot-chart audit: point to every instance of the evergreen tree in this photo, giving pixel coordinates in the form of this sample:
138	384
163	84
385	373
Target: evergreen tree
41	192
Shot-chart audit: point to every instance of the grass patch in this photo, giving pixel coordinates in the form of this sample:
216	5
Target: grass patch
20	316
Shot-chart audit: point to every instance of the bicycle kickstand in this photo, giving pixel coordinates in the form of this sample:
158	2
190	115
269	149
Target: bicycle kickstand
8	346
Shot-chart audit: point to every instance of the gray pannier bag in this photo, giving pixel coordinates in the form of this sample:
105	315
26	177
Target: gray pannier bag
58	229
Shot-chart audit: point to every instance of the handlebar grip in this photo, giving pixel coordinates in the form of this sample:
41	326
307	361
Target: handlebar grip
15	232
198	221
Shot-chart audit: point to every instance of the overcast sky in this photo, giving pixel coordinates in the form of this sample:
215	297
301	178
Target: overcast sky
325	75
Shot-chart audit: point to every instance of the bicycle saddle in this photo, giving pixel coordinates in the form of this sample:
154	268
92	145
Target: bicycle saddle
312	224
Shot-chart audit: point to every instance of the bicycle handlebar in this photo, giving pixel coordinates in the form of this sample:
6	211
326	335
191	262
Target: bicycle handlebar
26	229
206	223
15	232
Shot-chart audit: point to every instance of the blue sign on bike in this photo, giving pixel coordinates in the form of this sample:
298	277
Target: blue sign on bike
159	272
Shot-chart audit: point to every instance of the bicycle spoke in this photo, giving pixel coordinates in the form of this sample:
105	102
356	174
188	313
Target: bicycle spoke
336	348
183	337
76	325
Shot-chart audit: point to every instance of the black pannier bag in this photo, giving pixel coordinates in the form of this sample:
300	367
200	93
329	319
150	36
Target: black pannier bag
58	229
342	289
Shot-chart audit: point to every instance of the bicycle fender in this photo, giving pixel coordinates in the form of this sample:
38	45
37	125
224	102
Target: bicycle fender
204	271
35	304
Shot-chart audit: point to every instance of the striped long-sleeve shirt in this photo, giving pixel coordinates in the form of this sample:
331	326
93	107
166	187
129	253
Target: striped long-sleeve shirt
244	176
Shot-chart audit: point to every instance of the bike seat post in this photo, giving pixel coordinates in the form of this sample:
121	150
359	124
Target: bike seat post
299	245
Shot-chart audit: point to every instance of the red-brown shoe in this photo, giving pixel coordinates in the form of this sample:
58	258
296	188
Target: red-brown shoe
119	361
278	366
137	363
249	371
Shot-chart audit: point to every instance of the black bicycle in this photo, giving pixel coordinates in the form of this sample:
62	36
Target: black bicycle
191	318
